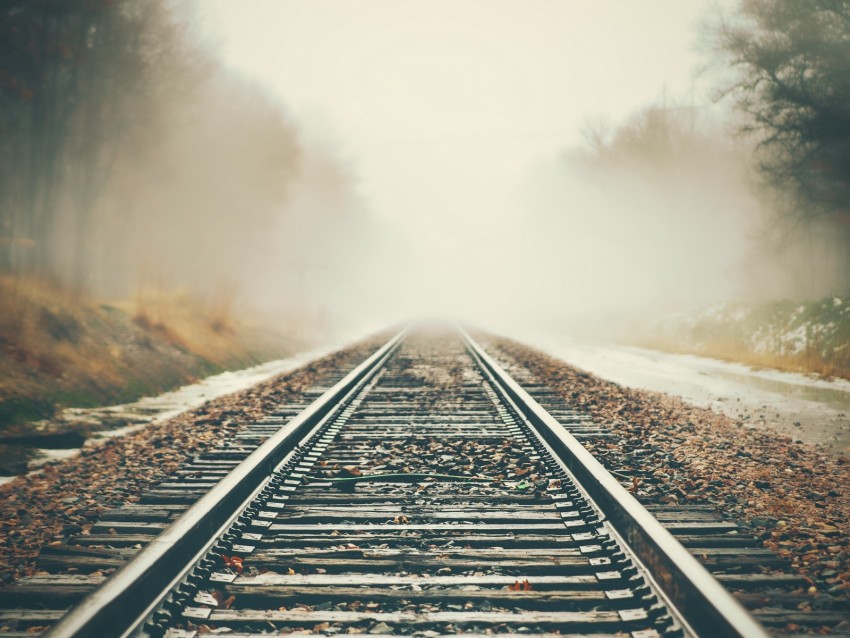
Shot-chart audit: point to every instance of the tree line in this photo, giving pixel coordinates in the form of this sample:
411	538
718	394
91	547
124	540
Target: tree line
79	84
785	71
128	153
791	65
790	84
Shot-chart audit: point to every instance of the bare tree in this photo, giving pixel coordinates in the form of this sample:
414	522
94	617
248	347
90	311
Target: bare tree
78	83
792	82
658	143
37	47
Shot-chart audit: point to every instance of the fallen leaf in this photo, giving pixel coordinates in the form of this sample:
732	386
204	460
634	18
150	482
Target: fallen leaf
233	562
520	586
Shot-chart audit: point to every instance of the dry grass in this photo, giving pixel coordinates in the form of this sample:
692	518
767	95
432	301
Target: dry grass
832	365
58	347
43	327
22	298
206	327
810	337
51	351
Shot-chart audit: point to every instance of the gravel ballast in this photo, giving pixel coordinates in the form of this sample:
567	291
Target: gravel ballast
66	497
791	495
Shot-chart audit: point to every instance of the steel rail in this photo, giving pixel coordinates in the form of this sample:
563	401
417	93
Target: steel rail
124	600
701	600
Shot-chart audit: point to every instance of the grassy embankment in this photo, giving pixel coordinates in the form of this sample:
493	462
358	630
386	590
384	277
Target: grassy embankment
812	337
58	349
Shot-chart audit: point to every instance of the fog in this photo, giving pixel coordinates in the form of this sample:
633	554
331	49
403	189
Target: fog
556	163
456	118
466	125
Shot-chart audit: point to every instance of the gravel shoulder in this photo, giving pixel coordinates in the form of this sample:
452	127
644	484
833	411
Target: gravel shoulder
67	496
793	496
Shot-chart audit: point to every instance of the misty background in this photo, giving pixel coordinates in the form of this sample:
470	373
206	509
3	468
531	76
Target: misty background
349	165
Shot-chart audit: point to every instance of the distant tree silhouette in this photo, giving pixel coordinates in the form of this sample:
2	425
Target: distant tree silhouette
78	81
792	83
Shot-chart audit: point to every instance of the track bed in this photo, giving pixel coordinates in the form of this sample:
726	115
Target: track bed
420	499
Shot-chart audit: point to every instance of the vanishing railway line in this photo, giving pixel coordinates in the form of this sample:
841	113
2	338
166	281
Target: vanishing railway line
424	492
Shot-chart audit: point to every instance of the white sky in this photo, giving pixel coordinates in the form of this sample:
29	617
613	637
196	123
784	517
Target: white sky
448	108
436	100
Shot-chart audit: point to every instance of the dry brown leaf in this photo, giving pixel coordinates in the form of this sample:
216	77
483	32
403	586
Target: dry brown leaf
233	562
520	586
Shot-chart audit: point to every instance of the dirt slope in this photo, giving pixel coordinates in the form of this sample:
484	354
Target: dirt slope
62	350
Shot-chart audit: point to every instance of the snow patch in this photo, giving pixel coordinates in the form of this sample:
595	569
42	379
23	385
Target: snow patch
789	399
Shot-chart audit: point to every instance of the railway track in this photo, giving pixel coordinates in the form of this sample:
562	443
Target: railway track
423	492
